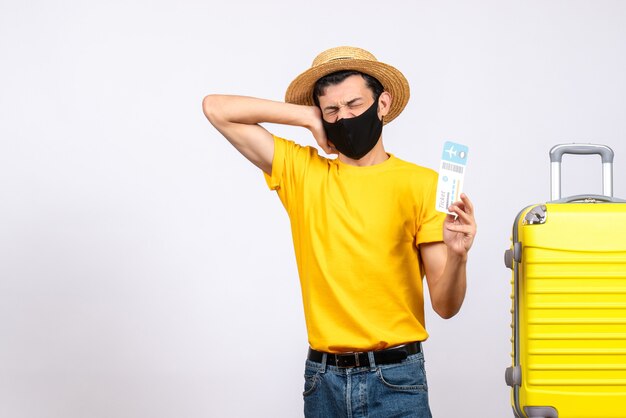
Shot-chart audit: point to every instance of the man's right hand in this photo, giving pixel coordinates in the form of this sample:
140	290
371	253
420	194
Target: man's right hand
317	129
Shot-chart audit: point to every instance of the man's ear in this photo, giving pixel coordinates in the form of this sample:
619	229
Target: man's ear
384	104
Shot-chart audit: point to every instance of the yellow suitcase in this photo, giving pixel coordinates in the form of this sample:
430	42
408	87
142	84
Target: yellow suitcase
568	258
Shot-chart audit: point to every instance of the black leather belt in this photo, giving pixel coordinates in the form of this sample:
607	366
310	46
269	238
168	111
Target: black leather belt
361	359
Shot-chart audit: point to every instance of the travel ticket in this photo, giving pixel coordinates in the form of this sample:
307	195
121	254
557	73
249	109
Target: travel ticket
451	175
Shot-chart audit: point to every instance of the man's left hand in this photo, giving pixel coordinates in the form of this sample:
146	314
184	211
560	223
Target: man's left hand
459	231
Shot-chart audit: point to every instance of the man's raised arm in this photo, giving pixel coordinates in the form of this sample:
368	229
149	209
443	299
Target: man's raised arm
238	118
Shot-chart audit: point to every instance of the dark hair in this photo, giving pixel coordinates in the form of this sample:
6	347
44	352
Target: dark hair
337	77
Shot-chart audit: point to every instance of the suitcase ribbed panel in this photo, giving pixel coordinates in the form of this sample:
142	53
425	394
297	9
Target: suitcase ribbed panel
573	311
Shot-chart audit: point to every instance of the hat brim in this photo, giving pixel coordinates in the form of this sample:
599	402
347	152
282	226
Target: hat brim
300	91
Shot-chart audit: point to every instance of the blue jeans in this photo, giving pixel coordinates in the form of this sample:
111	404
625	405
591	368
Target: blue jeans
377	391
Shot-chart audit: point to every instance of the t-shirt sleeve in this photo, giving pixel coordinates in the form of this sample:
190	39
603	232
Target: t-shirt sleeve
289	166
278	164
430	227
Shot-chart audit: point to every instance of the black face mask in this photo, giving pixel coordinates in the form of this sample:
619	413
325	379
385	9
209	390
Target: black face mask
355	137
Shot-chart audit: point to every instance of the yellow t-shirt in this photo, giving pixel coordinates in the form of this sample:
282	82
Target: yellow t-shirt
355	233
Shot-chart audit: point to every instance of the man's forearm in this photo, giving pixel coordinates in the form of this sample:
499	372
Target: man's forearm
449	290
221	109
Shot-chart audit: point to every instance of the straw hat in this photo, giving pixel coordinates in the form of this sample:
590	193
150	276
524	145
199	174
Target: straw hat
300	91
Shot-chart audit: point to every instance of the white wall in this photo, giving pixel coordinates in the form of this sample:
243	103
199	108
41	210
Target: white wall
145	270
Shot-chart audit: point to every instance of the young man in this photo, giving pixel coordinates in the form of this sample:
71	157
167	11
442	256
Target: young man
364	228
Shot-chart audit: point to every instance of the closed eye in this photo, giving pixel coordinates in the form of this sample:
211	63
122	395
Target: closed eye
331	110
354	103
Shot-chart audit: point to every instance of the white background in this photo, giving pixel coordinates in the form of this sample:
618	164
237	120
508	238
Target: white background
145	269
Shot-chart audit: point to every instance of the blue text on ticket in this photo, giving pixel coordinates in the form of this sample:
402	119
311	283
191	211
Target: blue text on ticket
451	175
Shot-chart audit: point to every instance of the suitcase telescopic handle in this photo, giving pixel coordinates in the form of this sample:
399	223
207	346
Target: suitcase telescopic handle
556	156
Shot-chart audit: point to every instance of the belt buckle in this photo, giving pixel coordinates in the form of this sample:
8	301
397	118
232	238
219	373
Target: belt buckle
339	356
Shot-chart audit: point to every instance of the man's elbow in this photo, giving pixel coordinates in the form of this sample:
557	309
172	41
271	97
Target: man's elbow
211	108
447	312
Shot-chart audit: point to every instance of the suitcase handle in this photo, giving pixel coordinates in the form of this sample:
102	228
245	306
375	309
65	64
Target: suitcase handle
556	156
589	198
